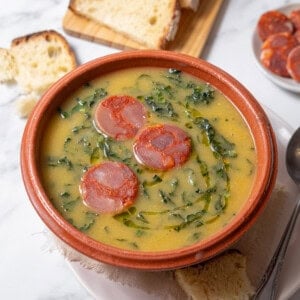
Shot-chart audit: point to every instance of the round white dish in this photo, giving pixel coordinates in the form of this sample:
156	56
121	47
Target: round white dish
101	287
286	83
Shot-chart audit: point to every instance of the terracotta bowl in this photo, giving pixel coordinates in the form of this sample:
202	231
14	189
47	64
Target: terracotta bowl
242	99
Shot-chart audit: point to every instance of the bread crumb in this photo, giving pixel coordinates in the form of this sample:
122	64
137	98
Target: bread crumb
25	104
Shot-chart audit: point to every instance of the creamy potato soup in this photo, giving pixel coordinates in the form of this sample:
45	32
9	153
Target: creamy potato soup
179	172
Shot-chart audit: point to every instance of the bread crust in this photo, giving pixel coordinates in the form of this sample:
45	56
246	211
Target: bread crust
170	32
189	4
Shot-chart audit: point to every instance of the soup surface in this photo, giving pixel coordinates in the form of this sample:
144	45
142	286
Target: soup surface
175	206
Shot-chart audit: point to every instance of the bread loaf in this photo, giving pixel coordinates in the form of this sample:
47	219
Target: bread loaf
223	278
149	22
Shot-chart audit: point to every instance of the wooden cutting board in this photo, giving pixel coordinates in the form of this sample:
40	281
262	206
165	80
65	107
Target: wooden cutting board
191	36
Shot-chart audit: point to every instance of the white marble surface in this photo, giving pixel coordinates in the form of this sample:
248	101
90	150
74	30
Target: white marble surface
27	269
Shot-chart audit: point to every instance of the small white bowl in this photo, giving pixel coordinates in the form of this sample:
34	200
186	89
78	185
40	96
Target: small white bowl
286	83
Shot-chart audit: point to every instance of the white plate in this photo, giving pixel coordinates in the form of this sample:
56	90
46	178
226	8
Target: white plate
258	245
286	83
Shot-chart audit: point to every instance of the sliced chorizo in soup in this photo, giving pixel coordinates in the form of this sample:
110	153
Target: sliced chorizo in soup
109	187
120	117
162	147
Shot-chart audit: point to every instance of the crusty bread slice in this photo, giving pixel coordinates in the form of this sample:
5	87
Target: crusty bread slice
149	22
35	62
8	67
41	58
190	4
221	278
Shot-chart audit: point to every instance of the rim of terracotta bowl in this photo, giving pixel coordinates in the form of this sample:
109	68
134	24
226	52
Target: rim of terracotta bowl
236	93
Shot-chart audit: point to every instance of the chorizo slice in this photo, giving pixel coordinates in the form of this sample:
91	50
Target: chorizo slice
273	22
162	147
275	51
295	18
109	187
120	116
293	63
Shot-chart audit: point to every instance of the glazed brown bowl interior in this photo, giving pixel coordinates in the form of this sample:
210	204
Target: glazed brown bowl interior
245	103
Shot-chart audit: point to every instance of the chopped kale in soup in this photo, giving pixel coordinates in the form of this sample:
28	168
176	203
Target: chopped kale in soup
178	157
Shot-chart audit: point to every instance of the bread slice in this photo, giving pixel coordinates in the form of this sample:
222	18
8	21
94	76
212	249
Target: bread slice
190	4
35	62
223	278
149	22
8	67
41	58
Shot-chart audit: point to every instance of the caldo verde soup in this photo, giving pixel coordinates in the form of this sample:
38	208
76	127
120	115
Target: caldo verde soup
148	159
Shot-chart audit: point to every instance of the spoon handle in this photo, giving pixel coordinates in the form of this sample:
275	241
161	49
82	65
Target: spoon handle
272	274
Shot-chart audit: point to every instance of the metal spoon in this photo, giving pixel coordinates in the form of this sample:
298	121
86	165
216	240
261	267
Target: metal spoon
270	279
